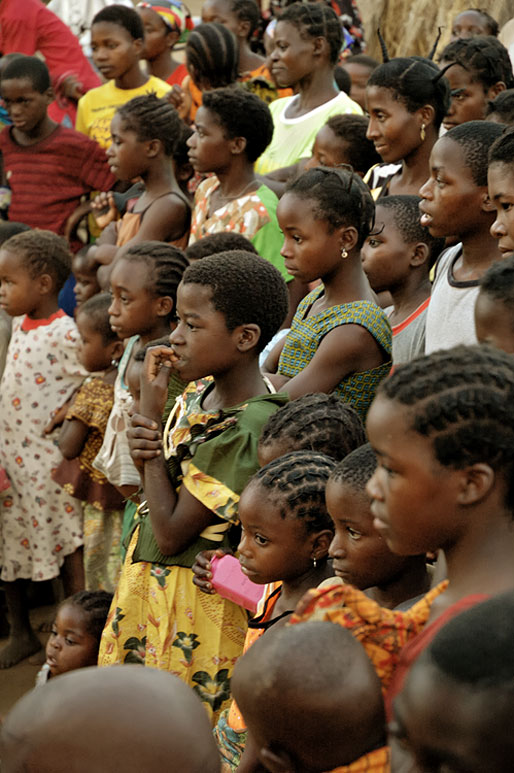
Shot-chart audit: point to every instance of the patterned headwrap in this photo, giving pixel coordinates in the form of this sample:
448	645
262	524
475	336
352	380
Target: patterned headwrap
175	15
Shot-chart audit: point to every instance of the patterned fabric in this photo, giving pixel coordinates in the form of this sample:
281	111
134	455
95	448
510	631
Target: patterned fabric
40	523
253	215
158	617
175	15
102	560
382	632
377	761
307	333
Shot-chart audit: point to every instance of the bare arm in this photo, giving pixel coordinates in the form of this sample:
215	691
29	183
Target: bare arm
72	438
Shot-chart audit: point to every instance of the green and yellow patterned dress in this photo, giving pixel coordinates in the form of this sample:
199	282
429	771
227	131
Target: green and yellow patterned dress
306	334
158	617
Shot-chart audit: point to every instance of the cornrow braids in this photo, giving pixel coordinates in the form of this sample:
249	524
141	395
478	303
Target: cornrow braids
356	469
341	198
314	20
415	82
296	484
484	57
152	118
462	399
166	265
95	605
315	422
212	56
42	252
96	309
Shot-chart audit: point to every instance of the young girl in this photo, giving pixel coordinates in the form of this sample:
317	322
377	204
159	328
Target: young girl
340	340
229	306
75	635
145	132
307	43
41	524
81	438
165	22
481	69
232	128
86	281
286	531
407	100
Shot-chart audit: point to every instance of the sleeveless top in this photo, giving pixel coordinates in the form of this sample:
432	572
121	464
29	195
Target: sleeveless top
306	334
129	225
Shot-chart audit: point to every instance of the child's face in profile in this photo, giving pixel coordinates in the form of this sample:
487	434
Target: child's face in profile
452	201
26	106
328	150
494	323
18	290
500	181
86	282
385	254
92	354
70	646
468	97
360	555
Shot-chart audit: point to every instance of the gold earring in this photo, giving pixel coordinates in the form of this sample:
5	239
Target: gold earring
422	132
344	253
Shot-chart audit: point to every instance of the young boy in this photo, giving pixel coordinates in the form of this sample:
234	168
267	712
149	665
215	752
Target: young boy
47	166
455	710
494	309
117	40
317	710
397	257
456	203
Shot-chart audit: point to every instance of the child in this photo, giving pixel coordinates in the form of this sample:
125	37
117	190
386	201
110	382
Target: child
480	70
455	203
232	128
117	41
86	280
456	708
494	308
359	67
229	305
307	42
500	179
501	108
7	230
48	167
145	131
165	23
340	340
397	257
81	438
473	22
312	701
360	556
286	531
75	637
242	17
407	100
225	241
41	523
74	720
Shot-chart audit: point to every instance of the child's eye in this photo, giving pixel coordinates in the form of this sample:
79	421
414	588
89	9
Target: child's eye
124	299
297	239
440	182
53	632
69	642
373	242
355	535
260	540
506	205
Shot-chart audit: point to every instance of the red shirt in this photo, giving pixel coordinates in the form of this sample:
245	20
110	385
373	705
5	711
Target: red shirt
48	179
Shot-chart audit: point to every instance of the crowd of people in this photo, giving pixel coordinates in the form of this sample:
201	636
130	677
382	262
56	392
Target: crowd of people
257	389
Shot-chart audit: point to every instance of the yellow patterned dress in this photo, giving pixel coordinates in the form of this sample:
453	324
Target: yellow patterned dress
158	617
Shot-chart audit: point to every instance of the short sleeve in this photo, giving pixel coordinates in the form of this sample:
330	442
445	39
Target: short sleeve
93	405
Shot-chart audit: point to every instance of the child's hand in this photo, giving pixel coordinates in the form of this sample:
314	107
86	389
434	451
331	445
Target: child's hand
202	570
154	380
104	209
57	417
144	439
181	101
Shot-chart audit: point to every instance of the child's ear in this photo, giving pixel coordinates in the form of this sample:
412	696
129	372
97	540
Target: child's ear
138	44
153	148
237	145
487	204
420	254
477	481
276	762
495	89
116	350
45	284
247	336
321	544
349	237
164	306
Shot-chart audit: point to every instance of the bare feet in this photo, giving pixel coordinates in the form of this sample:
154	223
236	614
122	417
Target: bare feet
18	648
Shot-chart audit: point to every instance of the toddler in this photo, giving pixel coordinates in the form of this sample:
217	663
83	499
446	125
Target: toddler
41	524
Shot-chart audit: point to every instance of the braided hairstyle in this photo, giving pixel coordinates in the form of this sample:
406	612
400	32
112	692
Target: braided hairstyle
152	118
462	399
42	252
415	82
356	469
165	263
315	20
95	606
96	309
315	422
212	56
339	196
485	58
296	485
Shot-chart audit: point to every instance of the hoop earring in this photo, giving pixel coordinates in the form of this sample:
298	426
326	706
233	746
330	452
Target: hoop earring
344	253
422	132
